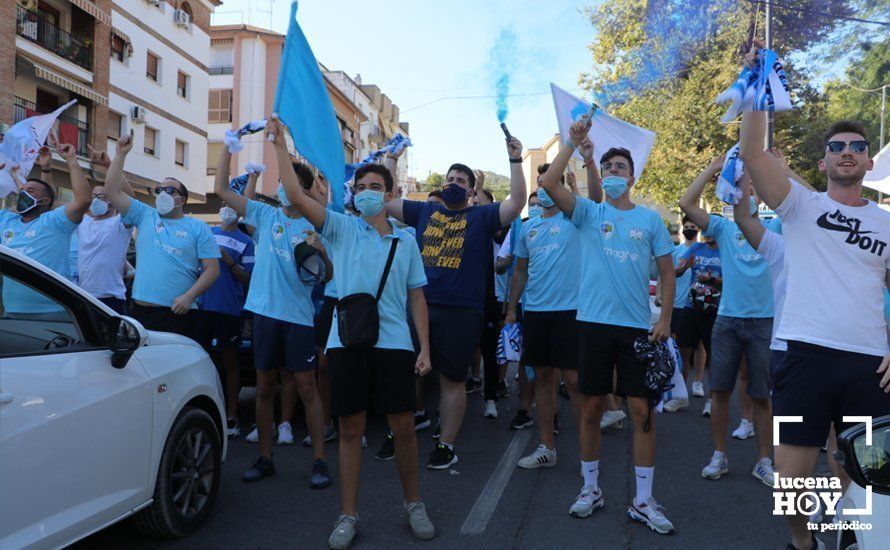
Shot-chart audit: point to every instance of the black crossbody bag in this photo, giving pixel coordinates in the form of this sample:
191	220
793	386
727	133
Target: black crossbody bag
358	321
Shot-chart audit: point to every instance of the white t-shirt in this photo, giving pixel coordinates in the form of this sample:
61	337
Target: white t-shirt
837	257
772	248
101	256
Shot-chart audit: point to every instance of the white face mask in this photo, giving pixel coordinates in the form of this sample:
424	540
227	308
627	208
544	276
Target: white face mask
228	215
164	203
98	207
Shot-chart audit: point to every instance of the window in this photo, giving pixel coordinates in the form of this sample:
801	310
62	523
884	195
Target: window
181	153
151	141
219	106
151	66
118	47
214	150
115	125
182	84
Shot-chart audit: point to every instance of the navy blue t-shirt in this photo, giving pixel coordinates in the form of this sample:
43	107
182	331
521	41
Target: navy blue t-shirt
226	295
456	249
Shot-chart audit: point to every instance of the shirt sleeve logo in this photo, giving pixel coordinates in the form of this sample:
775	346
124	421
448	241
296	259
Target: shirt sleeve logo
30	234
636	234
855	234
182	234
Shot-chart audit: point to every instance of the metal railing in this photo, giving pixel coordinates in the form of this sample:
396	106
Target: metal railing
67	124
34	27
221	69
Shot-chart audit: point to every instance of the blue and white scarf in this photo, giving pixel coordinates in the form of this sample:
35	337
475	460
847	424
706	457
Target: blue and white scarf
232	141
728	189
761	88
394	146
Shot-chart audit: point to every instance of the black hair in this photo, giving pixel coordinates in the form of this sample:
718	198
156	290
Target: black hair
463	169
533	195
488	194
435	193
846	126
685	220
618	152
304	174
546	166
49	189
378	169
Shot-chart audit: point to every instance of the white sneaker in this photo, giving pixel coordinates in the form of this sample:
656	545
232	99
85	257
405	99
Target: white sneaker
698	389
764	471
254	435
285	434
587	502
676	404
491	409
652	515
612	419
364	442
718	466
541	458
706	412
744	431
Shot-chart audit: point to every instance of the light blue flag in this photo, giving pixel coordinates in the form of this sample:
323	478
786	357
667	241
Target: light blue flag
302	103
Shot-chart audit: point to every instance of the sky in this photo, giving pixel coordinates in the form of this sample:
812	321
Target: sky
421	53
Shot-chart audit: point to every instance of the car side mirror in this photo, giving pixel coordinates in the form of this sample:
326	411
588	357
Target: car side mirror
867	464
129	335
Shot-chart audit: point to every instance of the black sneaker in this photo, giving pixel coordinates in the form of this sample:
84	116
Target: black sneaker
321	477
438	429
261	467
556	424
563	390
441	458
387	451
473	385
521	421
421	421
502	390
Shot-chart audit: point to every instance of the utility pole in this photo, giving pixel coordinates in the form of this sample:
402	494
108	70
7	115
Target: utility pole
883	110
770	117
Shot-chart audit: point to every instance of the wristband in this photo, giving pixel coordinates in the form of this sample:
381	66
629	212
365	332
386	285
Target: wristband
570	144
516	161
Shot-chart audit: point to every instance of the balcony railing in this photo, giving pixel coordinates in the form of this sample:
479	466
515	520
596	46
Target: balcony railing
221	69
33	26
71	130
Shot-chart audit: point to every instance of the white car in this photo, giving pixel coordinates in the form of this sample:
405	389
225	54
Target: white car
100	419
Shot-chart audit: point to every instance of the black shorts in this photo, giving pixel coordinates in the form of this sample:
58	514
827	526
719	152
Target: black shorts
216	330
676	318
323	322
163	319
601	350
550	339
823	385
454	336
280	344
379	380
695	326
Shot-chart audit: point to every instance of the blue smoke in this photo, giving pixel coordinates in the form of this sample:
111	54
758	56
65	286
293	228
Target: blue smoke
501	64
674	31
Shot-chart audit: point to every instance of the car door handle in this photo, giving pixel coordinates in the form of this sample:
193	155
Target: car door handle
5	398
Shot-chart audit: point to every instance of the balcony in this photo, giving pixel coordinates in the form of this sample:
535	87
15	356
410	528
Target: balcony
221	69
34	27
71	130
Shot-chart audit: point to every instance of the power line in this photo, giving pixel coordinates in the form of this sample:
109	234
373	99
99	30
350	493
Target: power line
486	96
878	89
819	13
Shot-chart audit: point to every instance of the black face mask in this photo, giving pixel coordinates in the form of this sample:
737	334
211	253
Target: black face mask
690	234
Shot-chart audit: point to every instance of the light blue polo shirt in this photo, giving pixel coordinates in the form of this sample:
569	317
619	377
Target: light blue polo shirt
168	253
617	247
275	290
359	255
684	282
747	288
553	248
44	239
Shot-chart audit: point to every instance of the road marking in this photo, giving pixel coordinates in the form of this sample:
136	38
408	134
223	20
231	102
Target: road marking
477	519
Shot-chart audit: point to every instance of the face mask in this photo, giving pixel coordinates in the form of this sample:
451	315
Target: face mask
690	234
98	207
454	194
282	196
25	202
165	203
545	199
228	215
614	186
535	211
753	205
369	202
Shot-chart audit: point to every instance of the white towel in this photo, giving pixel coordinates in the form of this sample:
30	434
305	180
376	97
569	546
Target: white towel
254	168
761	88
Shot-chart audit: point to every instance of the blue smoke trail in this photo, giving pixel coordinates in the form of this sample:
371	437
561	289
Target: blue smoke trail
501	63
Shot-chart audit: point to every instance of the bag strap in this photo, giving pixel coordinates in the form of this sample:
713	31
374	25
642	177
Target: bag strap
392	255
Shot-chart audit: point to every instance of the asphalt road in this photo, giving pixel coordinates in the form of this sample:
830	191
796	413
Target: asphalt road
529	512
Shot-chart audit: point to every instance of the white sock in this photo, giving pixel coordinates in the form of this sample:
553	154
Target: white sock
719	454
591	472
644	483
421	412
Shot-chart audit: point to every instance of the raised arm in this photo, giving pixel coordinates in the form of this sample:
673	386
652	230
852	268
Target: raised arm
102	160
512	206
594	181
250	188
79	184
787	168
114	177
481	197
689	200
306	205
394	207
221	184
748	223
564	198
767	175
45	162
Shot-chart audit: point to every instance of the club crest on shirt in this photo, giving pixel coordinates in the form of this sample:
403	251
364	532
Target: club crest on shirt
607	229
740	239
533	234
159	226
30	234
636	234
181	234
8	235
277	231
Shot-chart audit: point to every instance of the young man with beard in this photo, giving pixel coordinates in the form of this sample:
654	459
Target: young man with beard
618	241
455	243
837	259
43	234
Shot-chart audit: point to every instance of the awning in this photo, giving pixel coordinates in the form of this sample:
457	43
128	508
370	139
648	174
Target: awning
878	178
93	9
68	84
123	36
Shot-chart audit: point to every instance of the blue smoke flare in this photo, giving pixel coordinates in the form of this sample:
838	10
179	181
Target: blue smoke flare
501	64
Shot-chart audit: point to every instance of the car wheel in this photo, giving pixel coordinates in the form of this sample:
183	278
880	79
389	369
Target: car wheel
188	478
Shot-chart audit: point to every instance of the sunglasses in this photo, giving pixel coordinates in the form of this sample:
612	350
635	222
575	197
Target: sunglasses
169	189
101	197
858	146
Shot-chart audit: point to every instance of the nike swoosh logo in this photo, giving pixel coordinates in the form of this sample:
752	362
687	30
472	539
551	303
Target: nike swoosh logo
823	222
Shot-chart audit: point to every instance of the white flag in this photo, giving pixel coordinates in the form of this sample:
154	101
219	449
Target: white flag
606	131
21	144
